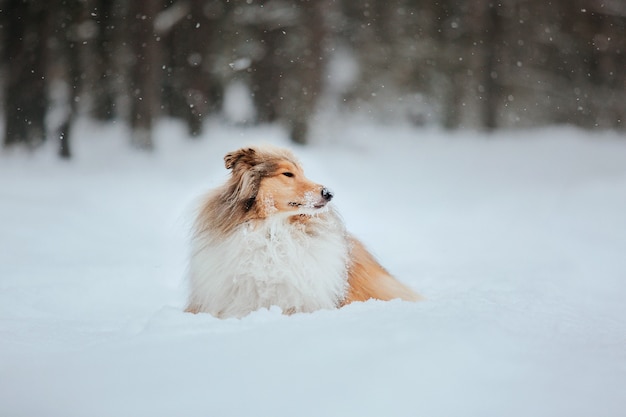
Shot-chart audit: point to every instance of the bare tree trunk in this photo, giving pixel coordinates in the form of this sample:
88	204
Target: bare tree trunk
309	68
267	73
25	96
450	87
199	90
143	77
287	76
67	21
490	73
103	52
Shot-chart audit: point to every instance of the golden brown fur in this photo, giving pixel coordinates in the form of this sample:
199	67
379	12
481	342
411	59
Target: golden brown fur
367	279
268	182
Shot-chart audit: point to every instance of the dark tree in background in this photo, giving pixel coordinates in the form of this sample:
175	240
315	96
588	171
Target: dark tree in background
191	90
144	70
66	34
288	61
25	35
307	69
104	63
481	64
490	64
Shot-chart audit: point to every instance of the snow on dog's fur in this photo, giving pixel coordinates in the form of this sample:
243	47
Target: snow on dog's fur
269	237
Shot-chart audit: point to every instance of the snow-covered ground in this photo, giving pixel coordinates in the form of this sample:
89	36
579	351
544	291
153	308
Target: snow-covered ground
518	242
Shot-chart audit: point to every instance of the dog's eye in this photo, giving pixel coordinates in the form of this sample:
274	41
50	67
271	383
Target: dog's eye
288	174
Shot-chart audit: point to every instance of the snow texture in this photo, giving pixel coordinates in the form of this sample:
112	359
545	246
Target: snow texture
517	241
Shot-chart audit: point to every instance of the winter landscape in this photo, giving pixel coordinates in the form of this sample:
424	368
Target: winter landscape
477	148
517	239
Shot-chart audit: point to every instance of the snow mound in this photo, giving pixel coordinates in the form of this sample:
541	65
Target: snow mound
517	241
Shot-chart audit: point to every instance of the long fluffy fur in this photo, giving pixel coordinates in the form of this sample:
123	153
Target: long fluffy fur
268	237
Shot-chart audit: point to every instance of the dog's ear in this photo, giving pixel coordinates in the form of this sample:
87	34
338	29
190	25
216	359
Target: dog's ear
246	175
247	188
246	156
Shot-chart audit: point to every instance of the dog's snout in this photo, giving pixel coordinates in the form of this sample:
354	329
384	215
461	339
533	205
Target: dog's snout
327	194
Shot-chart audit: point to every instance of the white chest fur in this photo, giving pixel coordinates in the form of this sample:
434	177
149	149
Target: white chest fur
274	262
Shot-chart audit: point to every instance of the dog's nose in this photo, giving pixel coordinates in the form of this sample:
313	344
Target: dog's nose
327	194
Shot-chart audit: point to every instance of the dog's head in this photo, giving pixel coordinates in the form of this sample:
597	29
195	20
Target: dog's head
268	180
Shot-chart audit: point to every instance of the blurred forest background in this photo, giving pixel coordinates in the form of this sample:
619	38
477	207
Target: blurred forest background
480	64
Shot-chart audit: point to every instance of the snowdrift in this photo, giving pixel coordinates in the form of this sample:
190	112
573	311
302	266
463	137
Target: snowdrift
517	240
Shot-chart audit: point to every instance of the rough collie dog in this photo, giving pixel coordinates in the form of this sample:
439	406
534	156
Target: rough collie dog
269	237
